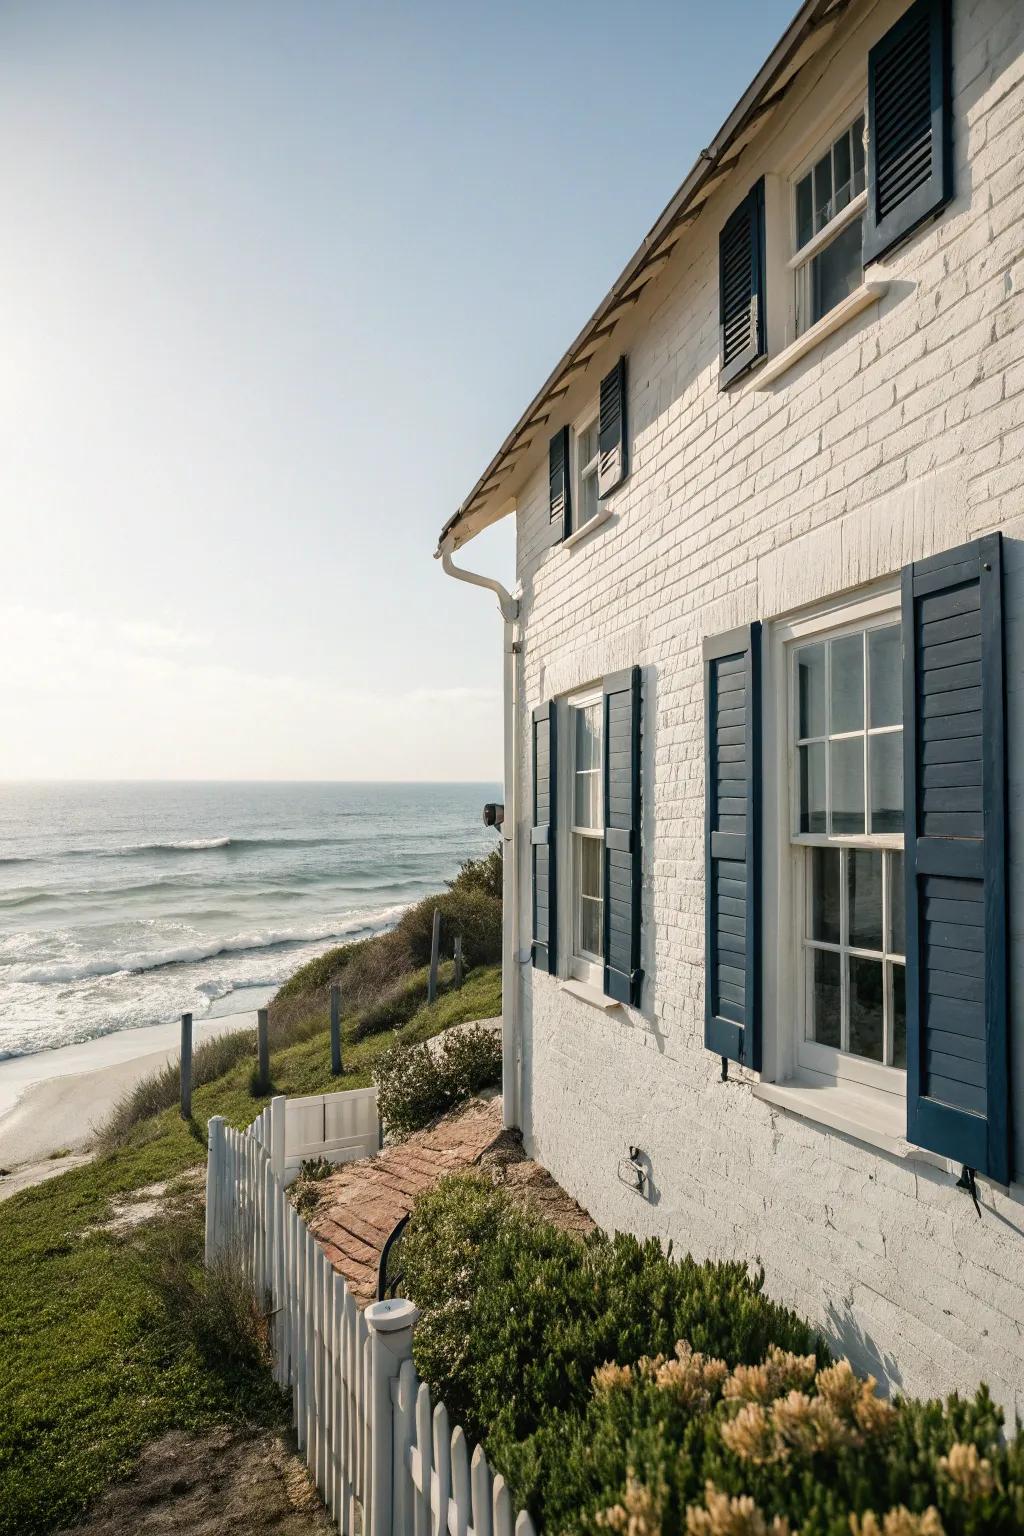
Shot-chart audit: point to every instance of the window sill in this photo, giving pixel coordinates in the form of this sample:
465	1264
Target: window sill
600	517
588	994
862	298
855	1112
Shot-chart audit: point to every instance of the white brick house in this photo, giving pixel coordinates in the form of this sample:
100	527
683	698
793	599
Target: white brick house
764	968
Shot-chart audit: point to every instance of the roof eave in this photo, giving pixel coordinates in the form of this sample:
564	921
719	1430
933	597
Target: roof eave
483	506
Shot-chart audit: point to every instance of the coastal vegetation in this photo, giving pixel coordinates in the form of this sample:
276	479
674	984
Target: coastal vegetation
111	1332
621	1390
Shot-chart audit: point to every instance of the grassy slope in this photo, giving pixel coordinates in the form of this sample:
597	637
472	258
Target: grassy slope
91	1364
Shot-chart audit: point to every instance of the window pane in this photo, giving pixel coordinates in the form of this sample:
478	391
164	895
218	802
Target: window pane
843	170
838	270
824	867
588	736
810	687
804	212
590	866
590	927
899	1017
864	893
857	133
885	674
812	788
897	905
848	786
846	686
823	191
866	1008
886	766
588	791
588	499
827	1000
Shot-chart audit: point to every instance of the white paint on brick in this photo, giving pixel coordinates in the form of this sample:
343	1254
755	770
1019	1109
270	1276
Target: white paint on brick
901	435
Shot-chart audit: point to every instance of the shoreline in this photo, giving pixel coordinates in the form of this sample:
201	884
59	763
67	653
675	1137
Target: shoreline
53	1101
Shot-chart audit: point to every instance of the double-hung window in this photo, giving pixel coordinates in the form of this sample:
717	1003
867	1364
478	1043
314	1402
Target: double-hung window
846	735
586	717
829	199
587	459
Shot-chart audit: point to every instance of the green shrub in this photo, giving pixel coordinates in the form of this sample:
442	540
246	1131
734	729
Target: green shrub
469	912
519	1321
517	1315
415	1084
480	875
653	1441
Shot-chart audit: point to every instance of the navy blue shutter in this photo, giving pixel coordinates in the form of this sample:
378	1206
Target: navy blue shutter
623	978
542	839
612	464
560	483
741	288
910	156
958	1063
732	867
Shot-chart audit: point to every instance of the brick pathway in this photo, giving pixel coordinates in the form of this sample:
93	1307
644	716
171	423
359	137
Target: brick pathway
361	1203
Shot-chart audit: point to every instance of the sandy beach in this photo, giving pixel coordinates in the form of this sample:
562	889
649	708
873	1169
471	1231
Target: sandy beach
53	1101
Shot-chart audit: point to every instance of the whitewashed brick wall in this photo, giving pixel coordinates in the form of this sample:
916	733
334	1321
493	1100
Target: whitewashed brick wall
901	435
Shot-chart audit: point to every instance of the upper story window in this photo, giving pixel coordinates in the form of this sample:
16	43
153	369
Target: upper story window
586	713
829	199
847	835
587	459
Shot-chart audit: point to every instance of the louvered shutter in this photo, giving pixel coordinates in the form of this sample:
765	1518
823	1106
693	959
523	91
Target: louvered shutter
958	1069
732	867
741	287
623	978
612	465
542	839
910	159
560	483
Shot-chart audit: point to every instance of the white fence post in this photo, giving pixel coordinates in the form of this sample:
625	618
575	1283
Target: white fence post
214	1166
390	1324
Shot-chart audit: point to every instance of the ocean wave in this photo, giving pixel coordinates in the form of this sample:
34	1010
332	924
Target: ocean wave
175	846
199	953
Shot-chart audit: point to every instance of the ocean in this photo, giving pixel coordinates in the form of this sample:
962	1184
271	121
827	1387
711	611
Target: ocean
123	905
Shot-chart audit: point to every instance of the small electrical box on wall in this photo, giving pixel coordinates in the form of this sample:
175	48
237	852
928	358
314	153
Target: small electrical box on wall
494	814
633	1170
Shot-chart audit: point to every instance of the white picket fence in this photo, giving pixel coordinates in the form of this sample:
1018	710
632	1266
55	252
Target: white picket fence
337	1127
383	1457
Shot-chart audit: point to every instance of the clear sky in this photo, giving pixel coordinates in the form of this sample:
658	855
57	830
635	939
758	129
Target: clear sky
275	281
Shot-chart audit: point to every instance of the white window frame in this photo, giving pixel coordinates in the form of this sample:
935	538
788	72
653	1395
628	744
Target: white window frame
796	1057
799	262
582	965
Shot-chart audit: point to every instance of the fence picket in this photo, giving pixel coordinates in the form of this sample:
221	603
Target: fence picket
424	1460
459	1506
441	1482
480	1480
502	1507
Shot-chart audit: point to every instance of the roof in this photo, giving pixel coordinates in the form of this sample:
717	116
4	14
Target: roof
492	495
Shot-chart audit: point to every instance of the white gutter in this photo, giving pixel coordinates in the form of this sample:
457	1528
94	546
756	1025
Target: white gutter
510	1044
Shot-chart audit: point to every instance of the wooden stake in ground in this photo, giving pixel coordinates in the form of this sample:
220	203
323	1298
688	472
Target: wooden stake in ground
186	1066
435	944
335	1029
458	962
263	1047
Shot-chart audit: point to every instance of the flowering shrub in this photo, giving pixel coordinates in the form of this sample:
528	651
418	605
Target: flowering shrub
415	1083
623	1393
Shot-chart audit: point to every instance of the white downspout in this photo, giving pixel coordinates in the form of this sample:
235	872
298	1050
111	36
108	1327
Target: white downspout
510	1045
